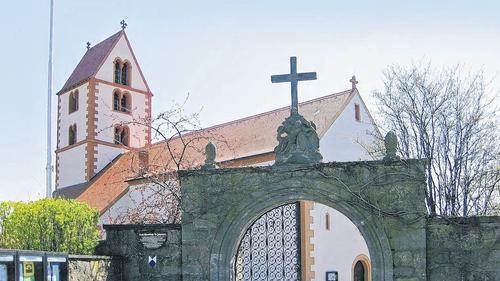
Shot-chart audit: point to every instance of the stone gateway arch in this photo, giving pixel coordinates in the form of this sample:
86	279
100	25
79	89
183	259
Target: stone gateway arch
385	200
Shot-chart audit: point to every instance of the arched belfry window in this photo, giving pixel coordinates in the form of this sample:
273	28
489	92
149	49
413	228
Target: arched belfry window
125	102
122	72
73	102
116	101
72	134
125	74
122	101
122	135
117	71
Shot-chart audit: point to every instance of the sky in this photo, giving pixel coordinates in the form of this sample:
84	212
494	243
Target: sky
222	53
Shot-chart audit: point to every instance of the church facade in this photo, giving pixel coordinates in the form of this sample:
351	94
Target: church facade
99	144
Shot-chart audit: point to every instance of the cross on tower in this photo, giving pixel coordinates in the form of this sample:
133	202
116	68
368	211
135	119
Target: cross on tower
293	78
124	24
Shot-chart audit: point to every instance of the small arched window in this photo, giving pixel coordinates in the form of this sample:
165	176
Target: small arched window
125	74
117	135
361	268
359	272
73	102
117	71
116	101
125	136
72	134
125	103
122	135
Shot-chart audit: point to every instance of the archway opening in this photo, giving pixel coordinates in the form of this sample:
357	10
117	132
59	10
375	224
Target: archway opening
302	240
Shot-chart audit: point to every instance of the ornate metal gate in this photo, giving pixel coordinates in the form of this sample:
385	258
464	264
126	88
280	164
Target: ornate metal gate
270	249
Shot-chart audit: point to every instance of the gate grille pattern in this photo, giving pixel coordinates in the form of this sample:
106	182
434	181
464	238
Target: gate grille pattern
270	249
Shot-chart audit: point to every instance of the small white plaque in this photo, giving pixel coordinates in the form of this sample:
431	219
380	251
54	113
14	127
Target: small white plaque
6	258
56	259
152	240
31	258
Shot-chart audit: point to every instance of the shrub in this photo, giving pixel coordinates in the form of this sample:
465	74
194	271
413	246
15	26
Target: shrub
57	225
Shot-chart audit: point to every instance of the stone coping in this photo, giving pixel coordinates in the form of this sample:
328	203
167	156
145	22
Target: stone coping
292	168
32	252
475	220
141	226
92	257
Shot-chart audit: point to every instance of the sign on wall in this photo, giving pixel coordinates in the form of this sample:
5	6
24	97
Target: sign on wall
28	270
152	261
332	276
152	240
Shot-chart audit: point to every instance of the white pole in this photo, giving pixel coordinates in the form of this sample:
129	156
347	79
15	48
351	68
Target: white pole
48	168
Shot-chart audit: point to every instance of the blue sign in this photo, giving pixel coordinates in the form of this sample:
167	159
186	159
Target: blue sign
332	276
152	261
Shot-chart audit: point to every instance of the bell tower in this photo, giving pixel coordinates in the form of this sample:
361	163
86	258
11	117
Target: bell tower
102	110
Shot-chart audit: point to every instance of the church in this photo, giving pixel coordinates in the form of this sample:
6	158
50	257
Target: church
102	148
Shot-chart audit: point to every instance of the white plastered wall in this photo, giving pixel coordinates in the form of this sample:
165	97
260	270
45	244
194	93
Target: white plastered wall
122	51
120	207
342	141
106	154
130	202
72	166
335	249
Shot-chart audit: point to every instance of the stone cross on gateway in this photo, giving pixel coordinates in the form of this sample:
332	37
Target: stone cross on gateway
293	78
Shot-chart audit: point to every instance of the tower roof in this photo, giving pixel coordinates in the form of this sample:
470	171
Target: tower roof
91	61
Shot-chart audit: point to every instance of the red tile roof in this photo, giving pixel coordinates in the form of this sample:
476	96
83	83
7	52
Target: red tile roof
91	61
243	138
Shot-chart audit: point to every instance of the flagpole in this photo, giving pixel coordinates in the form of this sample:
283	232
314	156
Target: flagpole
48	168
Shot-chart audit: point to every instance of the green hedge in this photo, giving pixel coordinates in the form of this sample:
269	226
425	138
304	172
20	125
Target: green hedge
58	225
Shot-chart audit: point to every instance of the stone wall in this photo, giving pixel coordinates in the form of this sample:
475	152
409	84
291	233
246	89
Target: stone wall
94	268
125	241
465	249
385	200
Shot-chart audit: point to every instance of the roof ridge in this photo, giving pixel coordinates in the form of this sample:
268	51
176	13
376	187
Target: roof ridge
254	116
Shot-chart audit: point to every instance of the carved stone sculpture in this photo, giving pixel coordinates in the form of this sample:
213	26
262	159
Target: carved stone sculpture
298	142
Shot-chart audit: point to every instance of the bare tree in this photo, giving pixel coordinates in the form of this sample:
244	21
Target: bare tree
448	117
178	143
